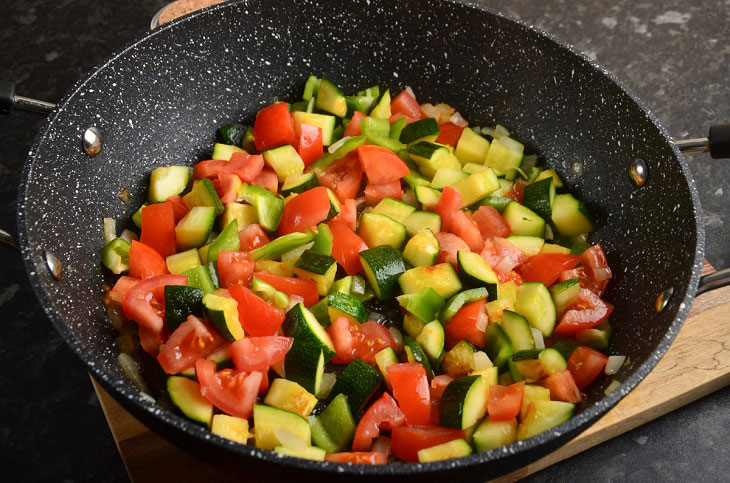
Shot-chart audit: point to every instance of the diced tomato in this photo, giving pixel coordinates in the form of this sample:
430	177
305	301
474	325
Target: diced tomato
144	302
347	214
408	440
304	211
374	193
596	267
381	165
358	458
450	134
267	179
309	143
585	364
144	261
404	103
450	245
257	317
192	340
438	386
233	392
449	203
353	128
150	340
361	341
502	256
382	414
469	323
253	236
491	223
562	387
179	209
246	166
510	277
396	117
517	192
208	169
158	228
307	289
344	336
264	385
466	228
346	247
547	267
121	287
343	176
273	127
587	312
235	268
229	186
258	353
374	337
411	390
505	401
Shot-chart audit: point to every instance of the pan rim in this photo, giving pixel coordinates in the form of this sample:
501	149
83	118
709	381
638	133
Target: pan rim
128	397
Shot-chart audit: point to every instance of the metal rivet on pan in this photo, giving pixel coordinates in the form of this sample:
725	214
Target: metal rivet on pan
54	264
638	172
92	141
663	300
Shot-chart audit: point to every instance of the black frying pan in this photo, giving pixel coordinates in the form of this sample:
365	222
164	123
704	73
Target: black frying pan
160	100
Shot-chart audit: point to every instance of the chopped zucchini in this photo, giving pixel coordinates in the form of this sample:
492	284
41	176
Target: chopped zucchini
571	216
290	396
383	265
394	209
343	305
358	382
459	360
471	147
464	402
477	273
523	221
330	98
183	261
180	303
222	313
431	339
168	181
536	304
195	227
497	344
421	220
185	394
115	255
377	230
476	186
430	157
427	196
442	278
455	303
495	434
224	151
299	183
230	427
457	448
446	177
543	415
269	421
322	121
285	161
203	194
422	250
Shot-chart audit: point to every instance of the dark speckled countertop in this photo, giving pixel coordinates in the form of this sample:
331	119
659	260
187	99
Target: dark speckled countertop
674	54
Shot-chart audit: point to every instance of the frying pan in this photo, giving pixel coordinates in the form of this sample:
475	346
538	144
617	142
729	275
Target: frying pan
159	100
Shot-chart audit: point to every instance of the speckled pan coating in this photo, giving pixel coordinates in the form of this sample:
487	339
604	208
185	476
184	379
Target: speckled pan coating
160	100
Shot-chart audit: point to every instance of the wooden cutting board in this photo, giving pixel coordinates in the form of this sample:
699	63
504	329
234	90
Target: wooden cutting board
697	363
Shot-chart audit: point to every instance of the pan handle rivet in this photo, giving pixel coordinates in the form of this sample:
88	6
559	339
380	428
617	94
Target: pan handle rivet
638	172
54	264
663	300
92	141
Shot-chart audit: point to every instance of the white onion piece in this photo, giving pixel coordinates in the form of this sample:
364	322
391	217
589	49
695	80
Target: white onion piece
490	132
328	380
130	368
481	361
397	337
110	229
601	274
148	397
539	341
501	130
410	91
129	235
115	315
614	364
382	445
429	111
482	321
289	439
611	387
339	143
457	119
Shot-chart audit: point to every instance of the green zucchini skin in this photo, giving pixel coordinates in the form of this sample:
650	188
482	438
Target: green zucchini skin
181	302
358	382
383	265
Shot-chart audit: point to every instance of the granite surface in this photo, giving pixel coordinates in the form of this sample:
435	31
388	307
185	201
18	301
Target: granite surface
675	55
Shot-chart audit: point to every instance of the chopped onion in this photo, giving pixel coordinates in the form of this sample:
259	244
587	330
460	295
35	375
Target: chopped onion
539	341
612	387
130	368
501	130
125	343
481	361
490	132
115	314
482	321
614	364
328	380
110	229
381	445
430	111
457	119
397	337
129	235
335	146
289	439
410	91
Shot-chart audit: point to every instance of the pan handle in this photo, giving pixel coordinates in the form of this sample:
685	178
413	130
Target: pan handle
713	281
717	143
9	101
8	240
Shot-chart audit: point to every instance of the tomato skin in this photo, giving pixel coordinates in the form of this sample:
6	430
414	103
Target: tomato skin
585	364
562	387
404	103
343	176
450	245
353	128
179	209
309	143
121	287
502	256
208	169
251	237
381	165
438	386
450	134
149	340
257	317
466	228
449	203
465	325
408	440
517	192
143	302
232	392
246	166
258	353
304	288
347	215
374	193
587	312
304	211
382	414
361	341
273	127
547	267
358	458
192	340
411	390
597	269
491	223
346	247
267	179
158	228
505	401
235	268
229	185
